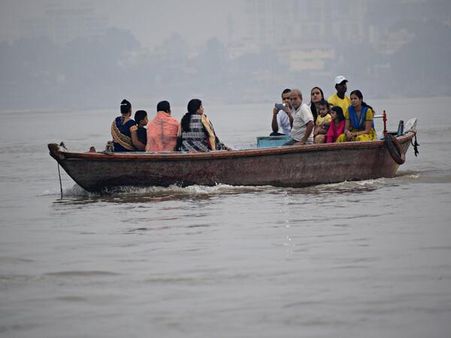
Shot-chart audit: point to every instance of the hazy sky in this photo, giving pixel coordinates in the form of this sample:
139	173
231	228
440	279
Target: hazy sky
382	46
150	21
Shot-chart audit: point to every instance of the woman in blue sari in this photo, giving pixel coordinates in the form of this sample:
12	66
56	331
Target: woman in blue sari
359	120
125	131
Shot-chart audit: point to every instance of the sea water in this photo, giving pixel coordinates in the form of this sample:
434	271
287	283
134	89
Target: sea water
353	259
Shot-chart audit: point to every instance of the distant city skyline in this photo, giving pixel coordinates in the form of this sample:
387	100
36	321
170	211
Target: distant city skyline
87	52
234	22
151	22
237	23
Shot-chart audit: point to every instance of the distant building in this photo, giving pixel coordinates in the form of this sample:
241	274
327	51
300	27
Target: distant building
65	24
304	32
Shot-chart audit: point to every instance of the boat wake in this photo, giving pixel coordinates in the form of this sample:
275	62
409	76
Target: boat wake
174	192
440	176
189	191
143	194
348	186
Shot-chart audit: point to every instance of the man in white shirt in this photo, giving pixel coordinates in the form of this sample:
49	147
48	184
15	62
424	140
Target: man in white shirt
302	130
280	123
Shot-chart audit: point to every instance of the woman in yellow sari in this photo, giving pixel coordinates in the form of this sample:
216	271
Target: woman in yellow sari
359	120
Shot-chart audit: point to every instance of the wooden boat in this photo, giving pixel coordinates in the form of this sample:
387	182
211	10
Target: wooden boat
289	166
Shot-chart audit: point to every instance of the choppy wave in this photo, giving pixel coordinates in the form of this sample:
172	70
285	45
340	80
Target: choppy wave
200	190
119	194
190	190
350	186
74	191
434	176
174	192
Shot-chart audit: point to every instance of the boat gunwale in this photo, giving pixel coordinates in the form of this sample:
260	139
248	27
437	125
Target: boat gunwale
60	153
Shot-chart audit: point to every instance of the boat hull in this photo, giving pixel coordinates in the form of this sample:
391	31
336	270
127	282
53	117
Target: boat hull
292	166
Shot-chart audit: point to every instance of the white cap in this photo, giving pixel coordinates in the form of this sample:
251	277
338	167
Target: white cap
339	79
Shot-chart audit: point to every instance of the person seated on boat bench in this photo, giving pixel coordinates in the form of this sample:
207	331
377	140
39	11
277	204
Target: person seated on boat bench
316	95
322	122
197	132
281	118
359	120
141	121
302	131
339	98
125	131
337	125
163	130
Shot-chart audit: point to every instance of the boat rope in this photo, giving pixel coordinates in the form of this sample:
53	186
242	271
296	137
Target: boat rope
415	145
59	175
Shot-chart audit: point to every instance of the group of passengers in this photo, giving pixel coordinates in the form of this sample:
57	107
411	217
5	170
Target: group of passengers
339	119
195	132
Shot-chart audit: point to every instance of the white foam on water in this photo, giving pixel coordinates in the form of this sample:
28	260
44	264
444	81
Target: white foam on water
154	191
221	189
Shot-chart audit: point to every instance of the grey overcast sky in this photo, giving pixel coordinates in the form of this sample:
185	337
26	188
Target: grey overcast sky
382	46
149	21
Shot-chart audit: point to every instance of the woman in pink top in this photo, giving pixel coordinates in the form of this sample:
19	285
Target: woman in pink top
163	130
337	125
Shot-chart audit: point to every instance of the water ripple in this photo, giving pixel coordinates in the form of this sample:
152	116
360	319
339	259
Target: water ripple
81	273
